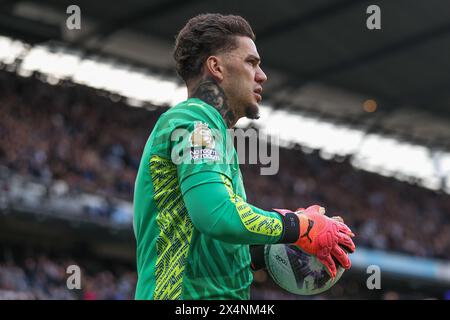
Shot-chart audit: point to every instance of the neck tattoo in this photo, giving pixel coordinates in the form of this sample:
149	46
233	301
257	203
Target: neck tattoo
210	92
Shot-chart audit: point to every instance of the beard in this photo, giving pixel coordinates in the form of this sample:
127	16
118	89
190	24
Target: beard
252	112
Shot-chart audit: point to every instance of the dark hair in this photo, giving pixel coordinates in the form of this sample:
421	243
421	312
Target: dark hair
205	35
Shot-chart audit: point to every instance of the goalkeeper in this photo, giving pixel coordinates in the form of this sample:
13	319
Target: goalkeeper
192	223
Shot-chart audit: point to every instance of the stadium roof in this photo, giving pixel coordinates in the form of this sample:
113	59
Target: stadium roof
319	55
403	64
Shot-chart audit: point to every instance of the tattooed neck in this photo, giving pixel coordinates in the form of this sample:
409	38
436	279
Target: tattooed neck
210	92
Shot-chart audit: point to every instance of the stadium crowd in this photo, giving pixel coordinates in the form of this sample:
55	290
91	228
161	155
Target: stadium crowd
385	213
71	134
42	276
37	274
80	137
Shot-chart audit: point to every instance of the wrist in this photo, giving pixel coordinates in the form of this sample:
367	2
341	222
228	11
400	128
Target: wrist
291	226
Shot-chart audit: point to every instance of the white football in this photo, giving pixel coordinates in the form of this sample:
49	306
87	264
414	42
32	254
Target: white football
296	271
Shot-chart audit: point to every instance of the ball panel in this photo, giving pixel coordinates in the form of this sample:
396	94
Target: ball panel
296	271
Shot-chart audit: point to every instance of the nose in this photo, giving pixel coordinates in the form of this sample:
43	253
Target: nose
260	76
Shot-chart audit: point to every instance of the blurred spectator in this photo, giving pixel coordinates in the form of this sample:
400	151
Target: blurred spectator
40	277
83	141
72	138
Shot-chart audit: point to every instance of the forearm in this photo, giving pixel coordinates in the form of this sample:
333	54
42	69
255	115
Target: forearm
215	210
214	213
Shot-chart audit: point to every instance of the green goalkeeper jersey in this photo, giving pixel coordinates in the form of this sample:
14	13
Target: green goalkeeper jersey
175	260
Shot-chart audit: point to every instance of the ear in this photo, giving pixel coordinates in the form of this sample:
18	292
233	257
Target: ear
214	67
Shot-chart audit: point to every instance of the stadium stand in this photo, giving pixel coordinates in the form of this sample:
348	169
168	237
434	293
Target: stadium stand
74	151
40	275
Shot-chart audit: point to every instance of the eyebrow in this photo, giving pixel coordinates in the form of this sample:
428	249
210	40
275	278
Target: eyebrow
253	57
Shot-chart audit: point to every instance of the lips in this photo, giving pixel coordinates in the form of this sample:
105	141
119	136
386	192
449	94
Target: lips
257	92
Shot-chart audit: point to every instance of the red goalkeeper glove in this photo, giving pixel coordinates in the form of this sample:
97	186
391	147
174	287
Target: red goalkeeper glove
323	237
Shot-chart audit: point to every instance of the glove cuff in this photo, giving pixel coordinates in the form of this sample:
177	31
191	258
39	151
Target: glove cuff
257	255
291	226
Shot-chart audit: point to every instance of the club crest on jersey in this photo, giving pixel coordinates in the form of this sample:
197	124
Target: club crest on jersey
202	142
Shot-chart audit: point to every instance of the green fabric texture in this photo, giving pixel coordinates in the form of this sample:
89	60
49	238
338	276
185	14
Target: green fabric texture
189	175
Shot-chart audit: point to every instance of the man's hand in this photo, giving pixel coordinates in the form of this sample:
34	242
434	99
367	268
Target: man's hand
324	237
